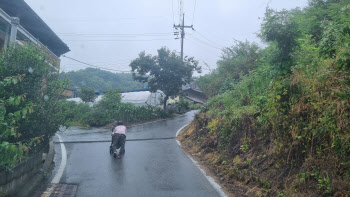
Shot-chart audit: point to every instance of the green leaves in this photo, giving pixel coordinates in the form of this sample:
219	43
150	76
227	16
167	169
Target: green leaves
236	62
165	72
87	94
25	80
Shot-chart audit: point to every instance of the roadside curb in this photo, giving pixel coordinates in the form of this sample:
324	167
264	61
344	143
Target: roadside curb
36	181
211	180
49	157
132	125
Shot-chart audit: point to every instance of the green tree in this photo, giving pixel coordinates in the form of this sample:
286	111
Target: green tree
87	94
236	61
165	71
281	29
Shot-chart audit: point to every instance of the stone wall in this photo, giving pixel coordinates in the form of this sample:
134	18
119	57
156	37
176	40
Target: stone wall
26	175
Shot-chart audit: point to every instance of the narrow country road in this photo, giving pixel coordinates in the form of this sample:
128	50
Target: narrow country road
149	168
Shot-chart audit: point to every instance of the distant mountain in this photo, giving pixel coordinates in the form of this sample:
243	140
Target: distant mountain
101	80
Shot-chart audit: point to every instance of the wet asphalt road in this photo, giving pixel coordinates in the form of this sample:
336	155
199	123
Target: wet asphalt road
149	168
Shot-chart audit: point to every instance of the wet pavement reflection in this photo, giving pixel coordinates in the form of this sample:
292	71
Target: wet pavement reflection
149	168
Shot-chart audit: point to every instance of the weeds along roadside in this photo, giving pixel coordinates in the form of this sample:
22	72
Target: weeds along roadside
283	128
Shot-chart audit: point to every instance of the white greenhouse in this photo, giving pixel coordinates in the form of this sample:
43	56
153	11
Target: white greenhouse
141	98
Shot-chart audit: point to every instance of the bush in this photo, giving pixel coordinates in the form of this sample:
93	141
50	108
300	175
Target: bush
108	110
183	105
30	91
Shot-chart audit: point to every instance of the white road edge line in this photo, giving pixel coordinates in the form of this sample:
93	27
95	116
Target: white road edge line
60	170
211	180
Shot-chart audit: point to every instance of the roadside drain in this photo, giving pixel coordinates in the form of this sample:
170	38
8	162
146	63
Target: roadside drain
61	190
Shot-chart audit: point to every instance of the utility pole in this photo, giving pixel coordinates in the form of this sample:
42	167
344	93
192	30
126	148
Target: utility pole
182	27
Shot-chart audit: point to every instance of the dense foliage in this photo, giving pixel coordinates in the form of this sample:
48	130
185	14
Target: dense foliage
280	123
109	110
101	80
236	61
30	91
87	94
165	72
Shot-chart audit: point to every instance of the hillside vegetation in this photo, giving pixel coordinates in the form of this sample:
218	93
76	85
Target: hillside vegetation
101	80
277	123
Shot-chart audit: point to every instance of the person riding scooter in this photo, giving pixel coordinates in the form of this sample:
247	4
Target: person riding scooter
118	139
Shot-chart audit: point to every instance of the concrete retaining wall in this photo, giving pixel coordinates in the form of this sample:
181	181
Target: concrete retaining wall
26	175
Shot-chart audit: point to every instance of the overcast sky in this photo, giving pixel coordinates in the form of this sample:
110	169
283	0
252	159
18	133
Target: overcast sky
111	33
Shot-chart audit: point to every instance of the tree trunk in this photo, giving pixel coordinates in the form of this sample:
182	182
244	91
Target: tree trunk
165	100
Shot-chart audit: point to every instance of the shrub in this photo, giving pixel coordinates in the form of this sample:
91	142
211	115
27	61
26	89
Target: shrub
30	91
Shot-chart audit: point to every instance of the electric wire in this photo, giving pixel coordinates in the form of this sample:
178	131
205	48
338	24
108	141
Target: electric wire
113	36
203	42
99	19
194	10
115	70
104	40
180	11
76	65
209	39
203	62
107	63
87	19
172	8
116	35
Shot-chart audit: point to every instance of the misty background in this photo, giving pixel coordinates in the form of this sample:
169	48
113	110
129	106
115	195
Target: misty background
111	33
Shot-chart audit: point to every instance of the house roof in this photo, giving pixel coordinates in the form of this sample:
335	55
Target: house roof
34	25
193	85
195	99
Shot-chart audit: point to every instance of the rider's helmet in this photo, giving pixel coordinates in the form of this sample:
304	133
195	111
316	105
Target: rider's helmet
120	122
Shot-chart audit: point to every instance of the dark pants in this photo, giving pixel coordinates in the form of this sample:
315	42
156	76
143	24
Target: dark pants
118	141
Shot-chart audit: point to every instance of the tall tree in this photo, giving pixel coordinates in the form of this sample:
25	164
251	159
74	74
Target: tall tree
165	71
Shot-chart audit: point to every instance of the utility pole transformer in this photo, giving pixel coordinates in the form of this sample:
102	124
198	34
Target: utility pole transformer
182	27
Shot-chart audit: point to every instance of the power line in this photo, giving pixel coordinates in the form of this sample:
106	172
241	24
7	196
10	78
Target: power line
172	7
116	35
101	40
179	9
203	42
208	39
88	19
108	63
115	70
100	19
194	10
74	65
207	65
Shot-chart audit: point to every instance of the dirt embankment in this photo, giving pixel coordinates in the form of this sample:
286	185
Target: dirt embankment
250	165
